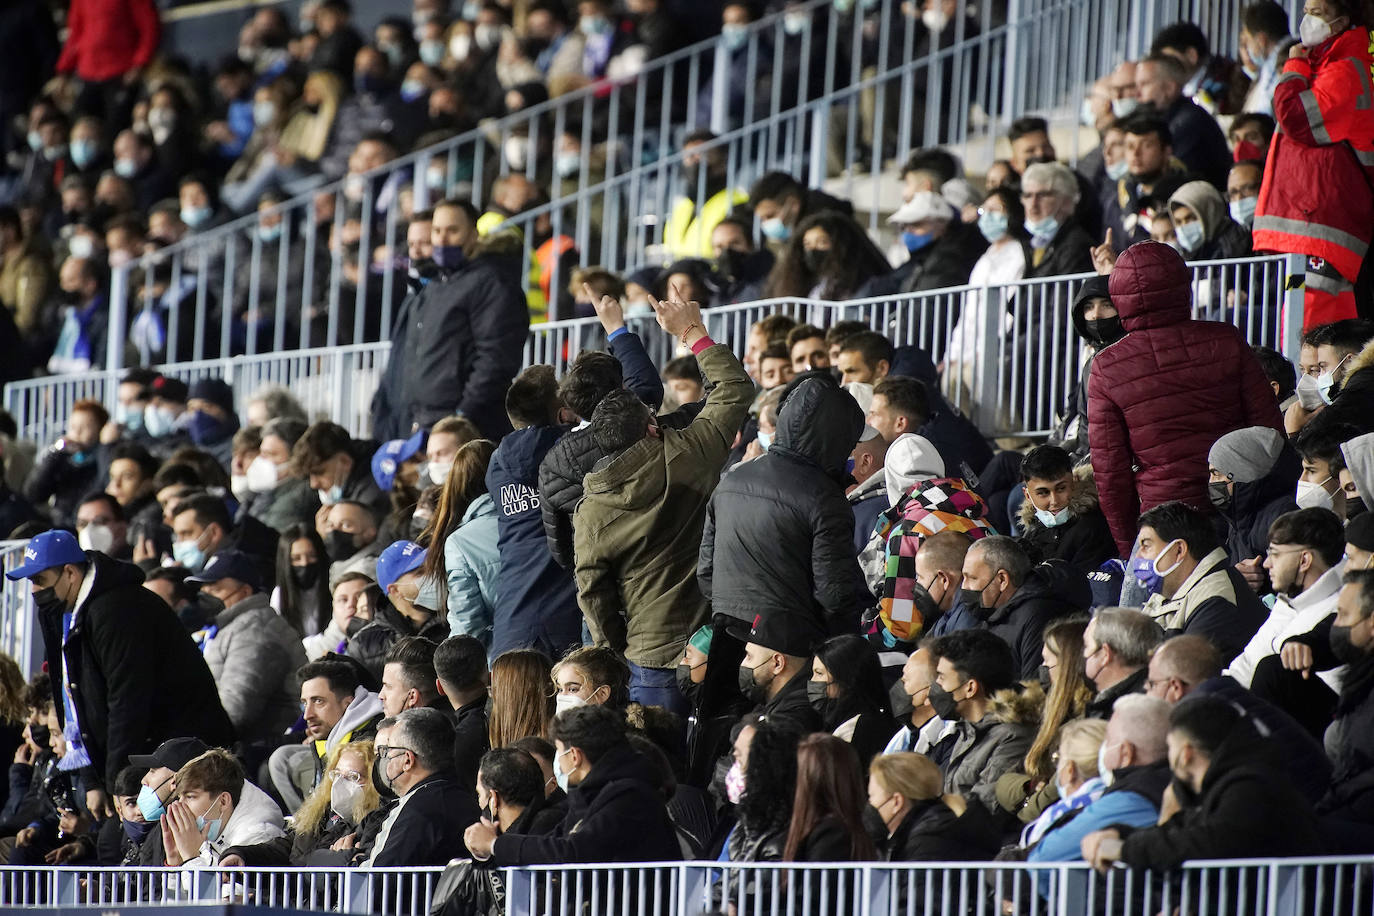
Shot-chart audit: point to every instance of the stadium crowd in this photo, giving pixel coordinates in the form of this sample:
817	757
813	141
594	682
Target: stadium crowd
790	607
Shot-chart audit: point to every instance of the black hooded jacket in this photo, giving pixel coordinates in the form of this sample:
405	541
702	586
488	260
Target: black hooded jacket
1256	504
779	536
1071	433
1053	589
137	678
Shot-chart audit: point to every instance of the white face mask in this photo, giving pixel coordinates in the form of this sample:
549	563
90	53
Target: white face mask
262	474
1313	495
935	20
1052	519
566	701
1107	776
1313	31
344	797
96	537
439	471
238	485
1327	380
1309	395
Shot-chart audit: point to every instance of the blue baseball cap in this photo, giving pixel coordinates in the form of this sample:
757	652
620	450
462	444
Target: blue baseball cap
397	560
387	459
229	564
46	550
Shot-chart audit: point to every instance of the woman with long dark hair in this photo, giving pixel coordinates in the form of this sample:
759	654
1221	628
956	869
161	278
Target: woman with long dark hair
829	256
462	555
302	593
846	689
763	805
827	810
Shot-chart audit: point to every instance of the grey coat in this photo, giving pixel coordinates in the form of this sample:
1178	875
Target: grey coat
253	654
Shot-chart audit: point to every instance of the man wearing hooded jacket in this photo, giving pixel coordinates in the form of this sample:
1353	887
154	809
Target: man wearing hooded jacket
779	535
126	674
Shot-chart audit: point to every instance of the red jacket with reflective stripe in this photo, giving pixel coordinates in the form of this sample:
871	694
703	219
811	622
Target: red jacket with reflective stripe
108	38
1316	198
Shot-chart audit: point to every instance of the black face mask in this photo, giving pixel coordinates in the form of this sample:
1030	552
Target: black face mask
815	259
378	780
901	703
1046	677
1219	495
1345	650
684	684
305	577
1354	506
753	691
728	263
46	598
1103	332
873	824
691	176
339	545
818	696
40	735
972	598
944	704
210	604
1187	796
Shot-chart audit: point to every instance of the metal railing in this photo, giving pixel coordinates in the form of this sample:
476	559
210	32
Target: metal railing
1025	325
848	93
19	636
1327	886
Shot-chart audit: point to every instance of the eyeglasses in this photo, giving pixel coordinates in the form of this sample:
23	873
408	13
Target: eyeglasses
1275	552
347	776
384	751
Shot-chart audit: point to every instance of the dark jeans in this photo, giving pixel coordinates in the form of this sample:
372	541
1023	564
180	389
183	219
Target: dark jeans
657	687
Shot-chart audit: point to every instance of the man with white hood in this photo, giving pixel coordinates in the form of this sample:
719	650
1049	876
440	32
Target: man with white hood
216	809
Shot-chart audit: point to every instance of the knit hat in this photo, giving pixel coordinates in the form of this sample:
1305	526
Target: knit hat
1360	531
1246	455
910	458
215	390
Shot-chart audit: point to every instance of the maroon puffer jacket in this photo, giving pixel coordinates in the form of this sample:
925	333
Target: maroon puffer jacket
1159	397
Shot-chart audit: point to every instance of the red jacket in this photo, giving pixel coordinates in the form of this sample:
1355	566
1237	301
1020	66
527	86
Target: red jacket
1160	396
1316	198
108	38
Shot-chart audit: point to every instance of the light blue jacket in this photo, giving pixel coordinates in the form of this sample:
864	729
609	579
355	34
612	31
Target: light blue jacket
472	567
1065	844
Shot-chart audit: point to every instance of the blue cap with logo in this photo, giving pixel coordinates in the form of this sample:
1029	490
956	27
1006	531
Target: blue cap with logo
46	550
397	560
389	458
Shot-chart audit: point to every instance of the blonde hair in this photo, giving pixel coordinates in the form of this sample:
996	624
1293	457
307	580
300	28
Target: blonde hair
314	811
1080	741
913	776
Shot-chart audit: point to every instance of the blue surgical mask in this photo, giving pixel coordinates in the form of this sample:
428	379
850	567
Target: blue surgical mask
1118	171
915	241
131	418
1189	235
270	233
734	36
149	804
993	225
195	217
125	168
559	776
1043	230
1124	108
1243	211
567	164
775	229
765	440
331	496
264	113
216	824
189	555
84	152
594	25
1147	571
1052	519
412	90
432	52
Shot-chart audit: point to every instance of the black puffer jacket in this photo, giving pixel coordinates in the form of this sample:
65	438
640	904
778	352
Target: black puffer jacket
779	535
138	678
